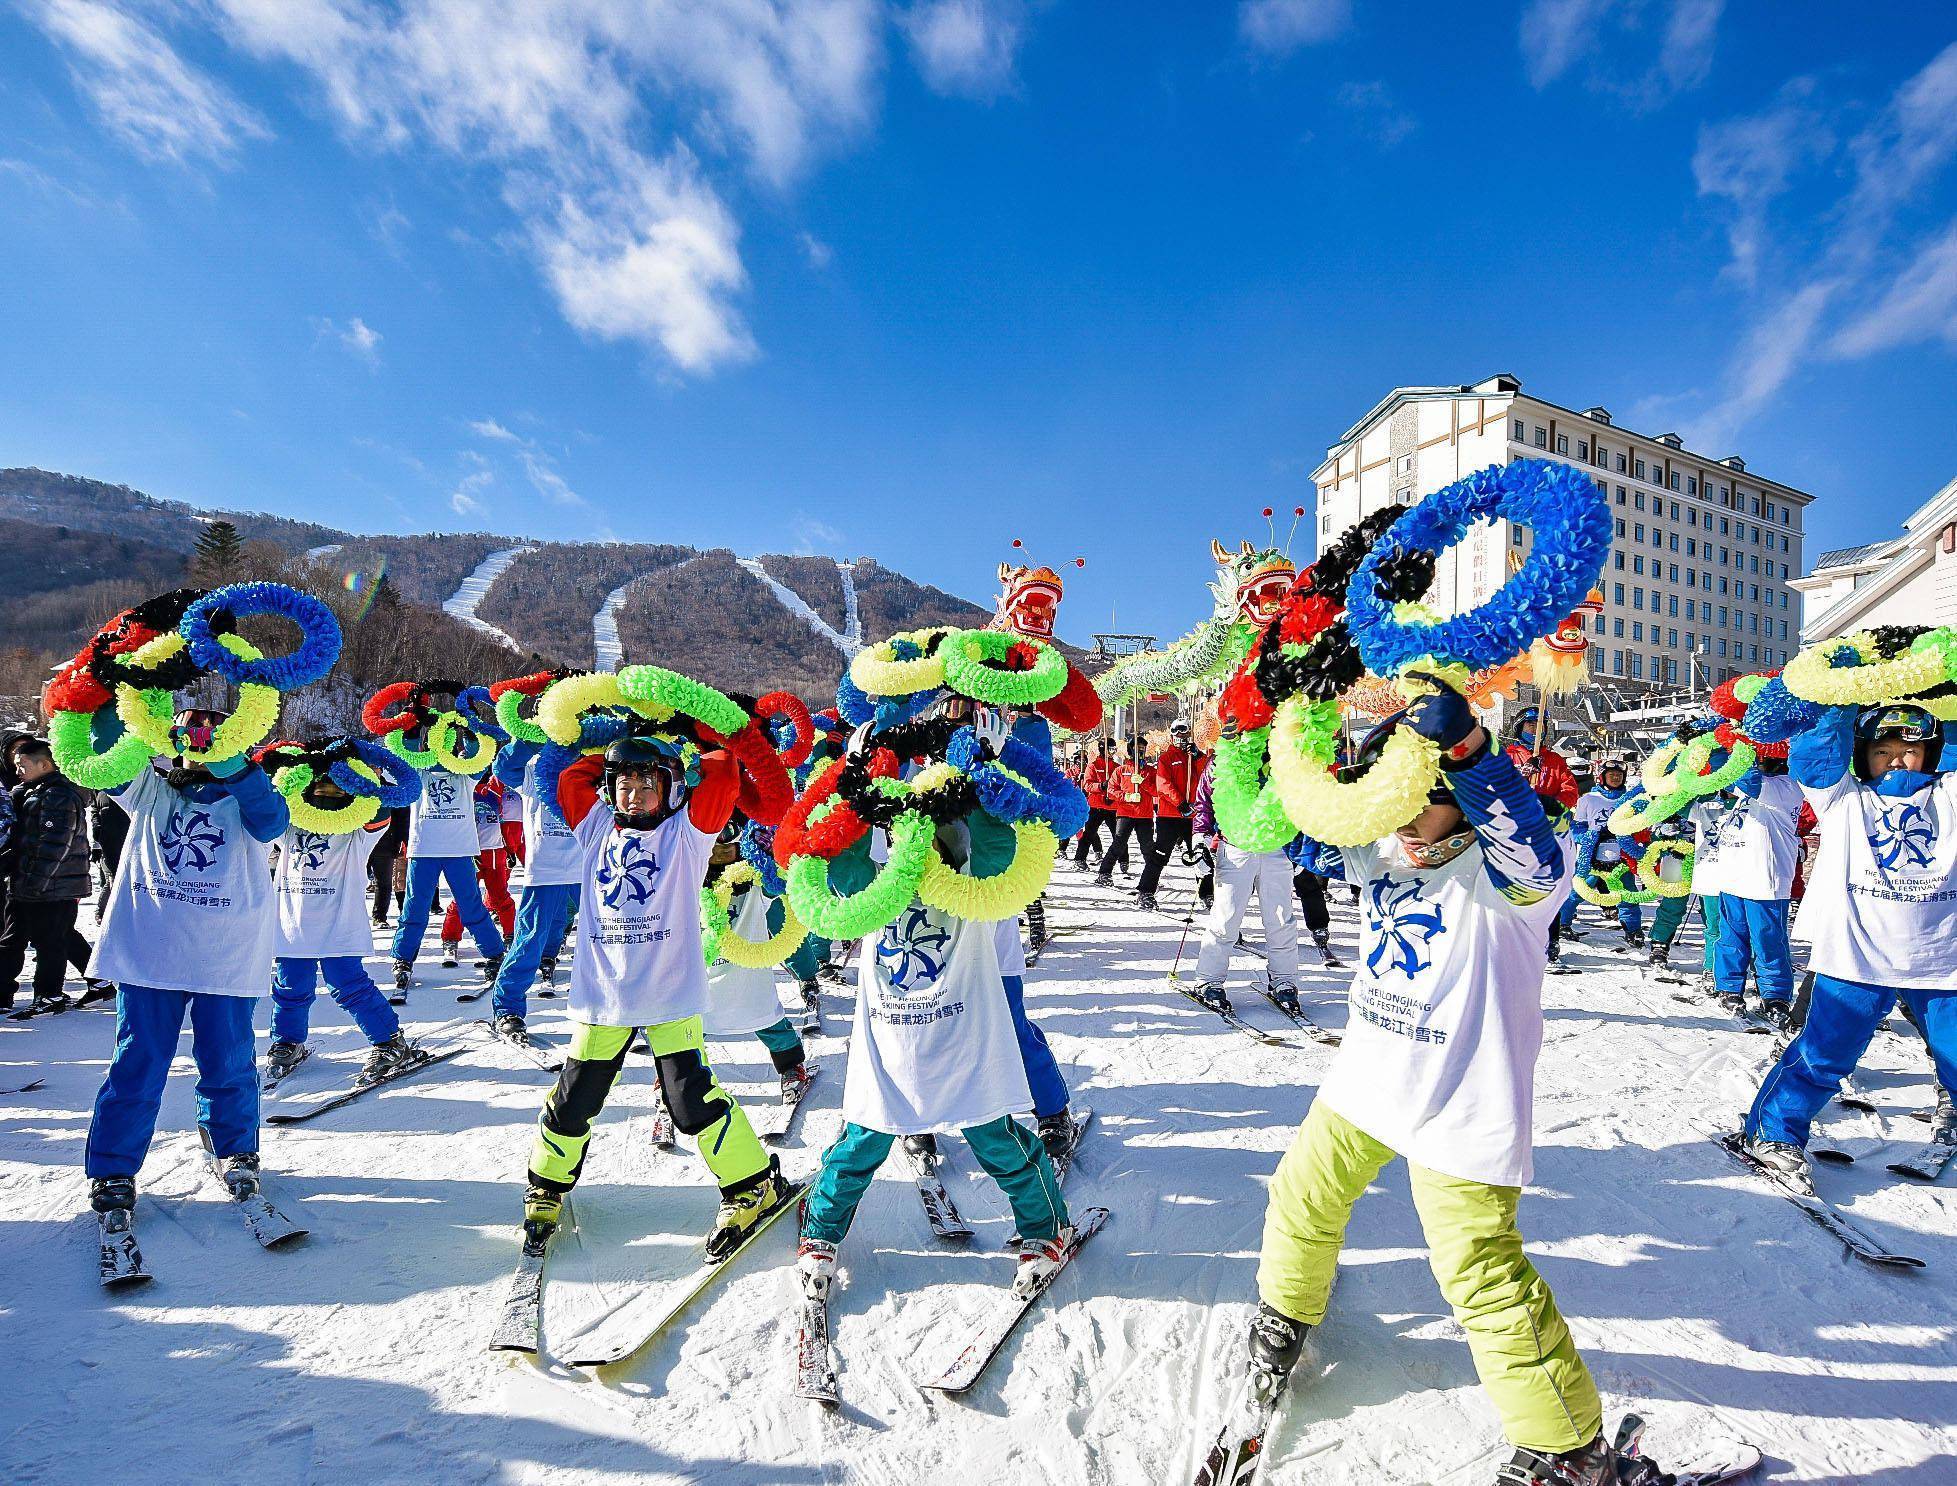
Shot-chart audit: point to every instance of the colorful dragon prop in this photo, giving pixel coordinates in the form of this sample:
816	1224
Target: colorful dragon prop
1028	606
1250	589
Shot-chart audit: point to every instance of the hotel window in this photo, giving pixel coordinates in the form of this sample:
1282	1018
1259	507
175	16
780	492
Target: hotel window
1617	561
1542	438
1671	606
1690	605
1691	516
1639	501
1404	464
1691	485
1637	630
1672	537
1640	531
1637	566
1674	480
1617	662
1722	648
1562	443
1520	434
1620	526
1603	486
1756	565
1583	448
1671	637
1620	464
1657	537
1725	554
1637	666
1753	652
1637	598
1617	593
1691	641
1783	629
1722	616
1656	599
1638	469
1722	526
1515	536
1617	628
1755	594
1620	495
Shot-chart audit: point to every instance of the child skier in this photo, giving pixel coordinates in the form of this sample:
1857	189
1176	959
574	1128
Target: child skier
320	887
933	1049
1747	859
742	999
492	872
442	846
1438	1065
645	814
1598	849
552	869
191	930
1877	911
1239	873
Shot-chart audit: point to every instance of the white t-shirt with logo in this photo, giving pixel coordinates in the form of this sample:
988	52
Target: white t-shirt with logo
933	1047
552	857
639	959
320	885
1749	850
742	998
1592	817
442	823
191	908
489	820
1881	897
1439	1055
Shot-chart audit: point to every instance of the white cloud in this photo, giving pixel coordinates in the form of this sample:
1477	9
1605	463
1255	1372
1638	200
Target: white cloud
818	252
965	47
1920	304
160	105
489	428
1772	351
1750	161
544	477
1376	113
356	336
1556	35
601	122
1280	27
812	535
465	499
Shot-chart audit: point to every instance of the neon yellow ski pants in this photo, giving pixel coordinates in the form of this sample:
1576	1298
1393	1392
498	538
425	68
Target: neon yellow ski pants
1522	1349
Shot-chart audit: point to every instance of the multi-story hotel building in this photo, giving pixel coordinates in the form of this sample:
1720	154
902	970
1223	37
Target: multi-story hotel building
1696	588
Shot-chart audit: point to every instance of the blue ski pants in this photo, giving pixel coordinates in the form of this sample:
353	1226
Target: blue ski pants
1009	1153
148	1024
294	987
1842	1017
1753	933
1042	1069
543	914
460	873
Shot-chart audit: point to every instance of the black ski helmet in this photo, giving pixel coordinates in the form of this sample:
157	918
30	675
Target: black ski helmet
638	753
1904	720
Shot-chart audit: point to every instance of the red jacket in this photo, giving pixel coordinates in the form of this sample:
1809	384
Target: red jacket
1094	782
1177	773
1555	781
1131	791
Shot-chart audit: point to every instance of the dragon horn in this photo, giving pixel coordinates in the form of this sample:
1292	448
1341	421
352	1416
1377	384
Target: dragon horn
1219	551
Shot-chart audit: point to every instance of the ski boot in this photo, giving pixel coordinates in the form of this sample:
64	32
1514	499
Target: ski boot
1943	1120
1057	1134
795	1083
1286	999
386	1059
490	968
403	973
1595	1464
113	1194
240	1173
1276	1343
1776	1015
1039	1260
1661	955
97	991
1211	995
511	1028
833	973
741	1209
1731	1001
1036	924
815	1265
1147	901
281	1058
543	1210
1323	939
922	1149
450	955
1705	986
1786	1161
547	970
380	920
48	1005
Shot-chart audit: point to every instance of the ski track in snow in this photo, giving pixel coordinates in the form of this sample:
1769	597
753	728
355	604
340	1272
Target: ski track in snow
606	647
850	640
475	588
1698	1298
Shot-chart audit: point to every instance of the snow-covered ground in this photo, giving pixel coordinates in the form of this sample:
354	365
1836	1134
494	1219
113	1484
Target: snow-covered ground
1700	1298
468	596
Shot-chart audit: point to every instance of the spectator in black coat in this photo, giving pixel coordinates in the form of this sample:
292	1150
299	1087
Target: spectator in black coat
108	825
47	877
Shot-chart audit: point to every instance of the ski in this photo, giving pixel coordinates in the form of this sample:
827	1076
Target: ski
268	1225
274	1077
1230	1019
782	1122
1929	1161
663	1134
1239	1447
121	1261
939	1209
811	1011
815	1372
520	1327
41	1008
540	1053
1083	1117
1727	1461
1301	1021
616	1336
347	1095
476	993
971	1360
26	1088
1559	967
1820	1212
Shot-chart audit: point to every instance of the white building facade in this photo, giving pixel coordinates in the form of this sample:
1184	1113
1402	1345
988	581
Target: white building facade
1908	579
1705	550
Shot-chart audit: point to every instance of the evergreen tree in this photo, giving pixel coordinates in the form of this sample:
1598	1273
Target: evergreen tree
218	556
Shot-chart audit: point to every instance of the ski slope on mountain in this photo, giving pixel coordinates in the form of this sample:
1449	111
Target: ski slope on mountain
1699	1297
469	594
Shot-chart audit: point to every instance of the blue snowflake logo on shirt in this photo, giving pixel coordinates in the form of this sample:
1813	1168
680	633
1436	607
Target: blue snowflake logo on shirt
441	793
309	850
628	873
190	840
1401	923
911	951
1904	835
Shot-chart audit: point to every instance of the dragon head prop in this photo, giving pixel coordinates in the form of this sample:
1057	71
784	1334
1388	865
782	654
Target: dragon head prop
1029	600
1251	584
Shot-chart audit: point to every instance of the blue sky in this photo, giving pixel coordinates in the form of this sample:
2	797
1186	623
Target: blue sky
911	280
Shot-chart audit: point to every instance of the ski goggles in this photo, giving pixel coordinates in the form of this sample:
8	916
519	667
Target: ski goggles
196	727
1909	724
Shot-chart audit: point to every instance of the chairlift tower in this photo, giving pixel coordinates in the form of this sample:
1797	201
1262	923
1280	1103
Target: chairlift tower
1110	648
